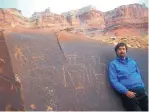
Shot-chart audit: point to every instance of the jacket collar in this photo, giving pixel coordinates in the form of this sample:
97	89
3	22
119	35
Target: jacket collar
122	60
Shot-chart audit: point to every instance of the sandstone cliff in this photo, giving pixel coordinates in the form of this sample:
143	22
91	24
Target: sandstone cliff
122	21
93	19
12	18
47	19
132	16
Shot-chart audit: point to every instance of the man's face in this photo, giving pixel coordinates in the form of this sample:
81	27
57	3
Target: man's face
121	51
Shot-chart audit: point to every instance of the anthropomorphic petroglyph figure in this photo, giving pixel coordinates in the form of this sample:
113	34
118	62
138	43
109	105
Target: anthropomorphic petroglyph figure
18	54
77	74
71	59
96	60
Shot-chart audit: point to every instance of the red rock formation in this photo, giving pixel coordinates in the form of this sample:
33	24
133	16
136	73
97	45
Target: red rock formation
127	16
53	20
79	17
130	19
12	18
93	19
73	20
2	18
48	19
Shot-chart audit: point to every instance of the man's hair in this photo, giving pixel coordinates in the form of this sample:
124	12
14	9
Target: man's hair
121	44
2	62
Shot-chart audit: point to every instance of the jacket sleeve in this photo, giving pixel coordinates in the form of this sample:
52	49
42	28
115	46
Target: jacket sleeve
138	71
114	81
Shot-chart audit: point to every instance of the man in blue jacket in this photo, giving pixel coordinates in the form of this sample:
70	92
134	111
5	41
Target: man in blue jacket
124	76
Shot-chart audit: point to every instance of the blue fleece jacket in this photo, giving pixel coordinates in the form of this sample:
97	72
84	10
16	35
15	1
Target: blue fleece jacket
124	74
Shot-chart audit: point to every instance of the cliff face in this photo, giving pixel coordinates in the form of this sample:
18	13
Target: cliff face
11	18
73	20
133	15
48	19
81	16
126	19
52	20
126	16
93	19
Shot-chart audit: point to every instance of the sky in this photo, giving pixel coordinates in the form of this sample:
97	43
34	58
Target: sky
28	7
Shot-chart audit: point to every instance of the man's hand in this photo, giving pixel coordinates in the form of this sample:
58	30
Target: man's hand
130	94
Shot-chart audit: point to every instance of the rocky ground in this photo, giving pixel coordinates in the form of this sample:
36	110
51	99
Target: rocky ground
131	41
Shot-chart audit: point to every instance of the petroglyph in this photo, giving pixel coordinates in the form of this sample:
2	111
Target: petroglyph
79	79
28	49
79	74
80	95
35	58
47	75
46	72
99	68
19	54
71	59
80	86
64	77
50	98
2	60
96	60
75	75
53	105
99	82
33	106
17	78
49	108
87	74
99	78
38	75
